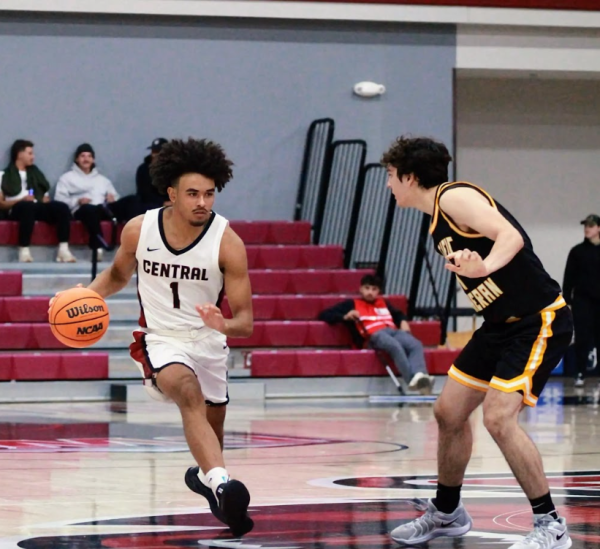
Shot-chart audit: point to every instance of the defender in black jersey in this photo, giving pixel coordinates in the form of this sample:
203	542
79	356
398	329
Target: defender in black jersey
526	331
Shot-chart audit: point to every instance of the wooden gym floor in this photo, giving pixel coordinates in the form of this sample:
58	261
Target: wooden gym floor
322	474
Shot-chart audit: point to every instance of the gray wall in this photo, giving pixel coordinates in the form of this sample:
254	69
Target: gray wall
255	89
533	143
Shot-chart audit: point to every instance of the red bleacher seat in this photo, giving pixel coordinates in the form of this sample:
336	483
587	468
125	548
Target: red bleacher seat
295	257
6	371
44	338
326	363
302	333
53	366
269	282
272	232
306	281
24	309
28	336
298	307
17	336
11	283
289	232
251	232
45	234
440	360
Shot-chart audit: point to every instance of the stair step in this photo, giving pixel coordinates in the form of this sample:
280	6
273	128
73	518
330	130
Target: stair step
265	307
323	363
268	282
266	334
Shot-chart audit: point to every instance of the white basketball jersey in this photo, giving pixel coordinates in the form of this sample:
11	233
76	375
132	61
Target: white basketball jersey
172	282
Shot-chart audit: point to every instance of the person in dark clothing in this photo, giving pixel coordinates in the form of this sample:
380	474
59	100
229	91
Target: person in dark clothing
148	195
581	288
375	321
25	195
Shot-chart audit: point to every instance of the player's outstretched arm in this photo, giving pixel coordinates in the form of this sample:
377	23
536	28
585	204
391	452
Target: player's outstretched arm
115	278
470	209
234	263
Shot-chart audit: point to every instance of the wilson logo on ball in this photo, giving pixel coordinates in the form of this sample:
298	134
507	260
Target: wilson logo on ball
74	312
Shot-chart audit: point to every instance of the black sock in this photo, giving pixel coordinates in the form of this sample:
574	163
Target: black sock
543	506
447	498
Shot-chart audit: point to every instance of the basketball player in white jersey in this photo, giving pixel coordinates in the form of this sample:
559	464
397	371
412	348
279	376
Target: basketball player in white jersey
184	255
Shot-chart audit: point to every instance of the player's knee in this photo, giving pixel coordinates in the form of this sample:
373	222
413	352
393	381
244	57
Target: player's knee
496	421
446	416
188	394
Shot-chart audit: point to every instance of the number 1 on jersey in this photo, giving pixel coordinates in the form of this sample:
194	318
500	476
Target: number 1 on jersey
175	290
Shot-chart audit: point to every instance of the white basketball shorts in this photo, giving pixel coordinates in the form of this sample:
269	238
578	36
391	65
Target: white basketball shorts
206	357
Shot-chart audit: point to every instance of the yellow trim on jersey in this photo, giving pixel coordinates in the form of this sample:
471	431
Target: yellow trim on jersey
467	380
459	231
437	210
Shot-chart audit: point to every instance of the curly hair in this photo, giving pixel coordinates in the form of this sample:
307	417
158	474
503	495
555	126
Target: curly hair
426	158
201	156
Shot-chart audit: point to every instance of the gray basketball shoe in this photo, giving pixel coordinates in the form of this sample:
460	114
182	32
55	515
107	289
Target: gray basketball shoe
548	533
433	524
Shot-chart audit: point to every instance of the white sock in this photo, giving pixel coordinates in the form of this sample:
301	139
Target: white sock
63	247
214	478
24	249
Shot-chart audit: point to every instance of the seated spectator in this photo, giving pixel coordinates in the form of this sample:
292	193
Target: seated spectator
384	328
24	194
148	195
92	197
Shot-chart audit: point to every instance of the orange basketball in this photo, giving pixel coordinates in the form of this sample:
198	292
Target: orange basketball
78	317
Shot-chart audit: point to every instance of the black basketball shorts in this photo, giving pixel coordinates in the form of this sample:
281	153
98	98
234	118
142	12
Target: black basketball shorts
518	355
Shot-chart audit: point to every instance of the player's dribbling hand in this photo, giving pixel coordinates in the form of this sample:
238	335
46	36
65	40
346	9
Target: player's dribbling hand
466	263
57	294
211	316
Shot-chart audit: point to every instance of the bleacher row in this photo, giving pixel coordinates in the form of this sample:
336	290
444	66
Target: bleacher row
292	282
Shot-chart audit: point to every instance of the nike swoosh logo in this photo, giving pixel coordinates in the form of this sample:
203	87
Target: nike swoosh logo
448	523
561	536
153	249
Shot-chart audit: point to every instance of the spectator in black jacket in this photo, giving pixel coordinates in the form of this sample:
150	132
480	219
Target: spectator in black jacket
581	288
373	320
148	196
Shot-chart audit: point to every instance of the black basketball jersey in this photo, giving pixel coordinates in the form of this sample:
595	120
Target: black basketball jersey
520	288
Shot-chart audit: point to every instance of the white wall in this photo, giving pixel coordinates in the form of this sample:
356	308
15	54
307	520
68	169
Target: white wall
535	145
567	50
340	11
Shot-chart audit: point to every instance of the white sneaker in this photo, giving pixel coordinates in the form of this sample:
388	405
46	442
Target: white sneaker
413	385
65	256
579	381
433	524
421	382
548	533
25	256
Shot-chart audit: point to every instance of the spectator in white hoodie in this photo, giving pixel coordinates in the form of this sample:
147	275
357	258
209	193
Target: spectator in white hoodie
92	197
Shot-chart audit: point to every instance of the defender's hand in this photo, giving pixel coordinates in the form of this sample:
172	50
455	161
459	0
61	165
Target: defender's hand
212	317
466	263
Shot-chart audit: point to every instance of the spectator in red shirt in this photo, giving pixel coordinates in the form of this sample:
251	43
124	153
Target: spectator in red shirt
384	328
